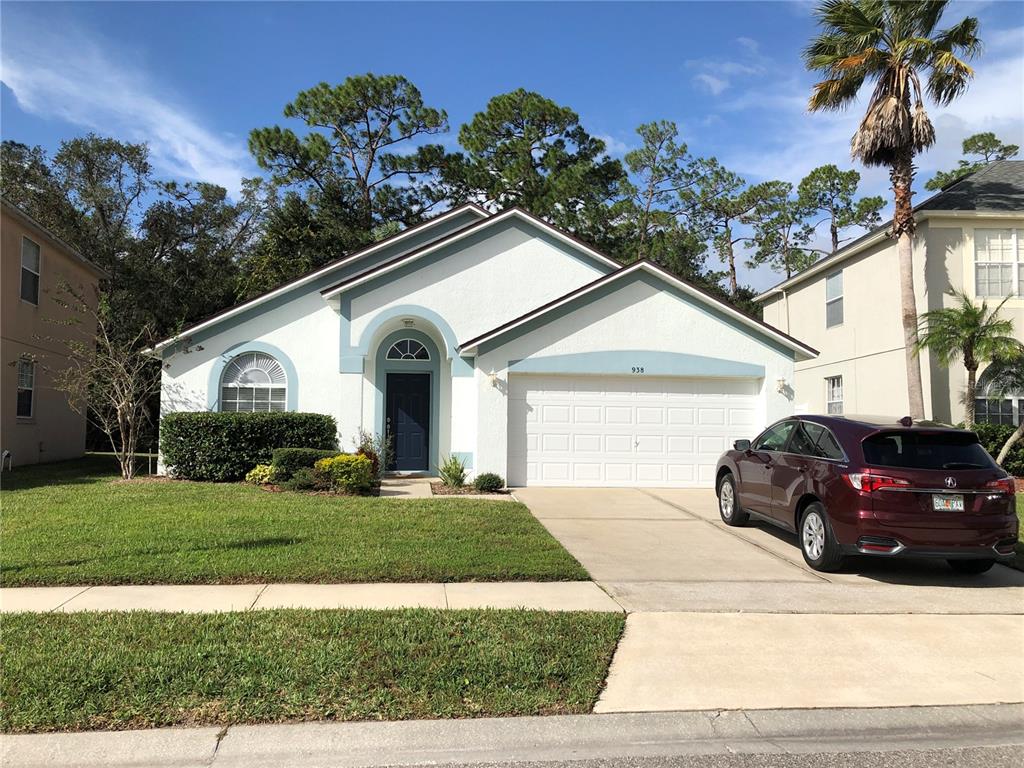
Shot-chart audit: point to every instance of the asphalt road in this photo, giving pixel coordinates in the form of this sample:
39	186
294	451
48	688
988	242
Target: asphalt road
975	757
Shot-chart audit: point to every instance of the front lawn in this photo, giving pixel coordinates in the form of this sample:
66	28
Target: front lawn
90	671
78	523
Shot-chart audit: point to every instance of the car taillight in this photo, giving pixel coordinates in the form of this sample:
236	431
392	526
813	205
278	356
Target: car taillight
1002	485
869	481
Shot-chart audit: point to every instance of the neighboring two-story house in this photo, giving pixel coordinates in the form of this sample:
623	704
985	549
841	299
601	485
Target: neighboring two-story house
970	237
36	422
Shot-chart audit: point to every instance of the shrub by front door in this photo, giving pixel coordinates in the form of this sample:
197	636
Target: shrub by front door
408	419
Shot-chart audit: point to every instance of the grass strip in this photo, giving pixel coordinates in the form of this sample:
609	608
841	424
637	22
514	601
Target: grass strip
89	671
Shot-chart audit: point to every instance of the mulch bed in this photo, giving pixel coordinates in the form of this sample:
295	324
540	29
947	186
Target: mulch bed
440	489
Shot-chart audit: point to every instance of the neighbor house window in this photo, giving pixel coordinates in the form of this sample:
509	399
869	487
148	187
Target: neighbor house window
408	349
998	270
253	381
29	271
834	299
834	394
26	388
991	407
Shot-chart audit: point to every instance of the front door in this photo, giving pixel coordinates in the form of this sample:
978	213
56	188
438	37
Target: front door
408	419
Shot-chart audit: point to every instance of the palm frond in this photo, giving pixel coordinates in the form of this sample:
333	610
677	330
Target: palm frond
836	93
949	78
924	15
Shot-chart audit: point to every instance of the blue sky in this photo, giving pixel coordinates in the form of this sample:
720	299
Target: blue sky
193	78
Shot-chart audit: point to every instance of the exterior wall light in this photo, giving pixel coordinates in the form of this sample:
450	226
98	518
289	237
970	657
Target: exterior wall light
780	385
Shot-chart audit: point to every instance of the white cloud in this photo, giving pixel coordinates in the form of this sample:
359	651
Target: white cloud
70	77
714	85
612	145
750	44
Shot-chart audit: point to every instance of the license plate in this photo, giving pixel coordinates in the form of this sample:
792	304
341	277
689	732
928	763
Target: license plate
952	502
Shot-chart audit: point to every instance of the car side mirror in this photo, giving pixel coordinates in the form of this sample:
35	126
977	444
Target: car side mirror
741	445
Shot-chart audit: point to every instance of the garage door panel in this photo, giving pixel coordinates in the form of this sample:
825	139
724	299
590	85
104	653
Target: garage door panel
623	430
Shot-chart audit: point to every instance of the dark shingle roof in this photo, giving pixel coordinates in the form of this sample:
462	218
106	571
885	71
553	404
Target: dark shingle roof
999	186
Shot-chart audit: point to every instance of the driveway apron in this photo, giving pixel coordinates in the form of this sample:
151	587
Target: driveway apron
728	618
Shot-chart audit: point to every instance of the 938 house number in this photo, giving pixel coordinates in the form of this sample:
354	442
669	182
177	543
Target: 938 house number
638	369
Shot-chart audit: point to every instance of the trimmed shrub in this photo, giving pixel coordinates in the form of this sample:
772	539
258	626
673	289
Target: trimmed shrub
304	479
452	472
488	482
347	473
261	474
288	461
993	436
224	446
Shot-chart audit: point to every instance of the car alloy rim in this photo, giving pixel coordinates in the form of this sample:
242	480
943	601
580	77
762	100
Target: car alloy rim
814	535
726	500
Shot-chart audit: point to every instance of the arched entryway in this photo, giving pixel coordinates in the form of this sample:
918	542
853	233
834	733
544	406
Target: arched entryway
407	372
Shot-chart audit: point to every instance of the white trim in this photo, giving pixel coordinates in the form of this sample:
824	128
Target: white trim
832	383
654	270
344	262
428	249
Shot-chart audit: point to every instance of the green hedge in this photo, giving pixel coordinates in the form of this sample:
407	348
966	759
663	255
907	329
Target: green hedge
993	436
346	473
288	461
224	446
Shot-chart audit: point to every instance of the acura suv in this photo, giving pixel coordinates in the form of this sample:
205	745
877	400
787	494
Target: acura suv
873	486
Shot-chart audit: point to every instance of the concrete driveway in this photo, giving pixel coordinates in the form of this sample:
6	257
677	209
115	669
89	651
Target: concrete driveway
732	618
667	549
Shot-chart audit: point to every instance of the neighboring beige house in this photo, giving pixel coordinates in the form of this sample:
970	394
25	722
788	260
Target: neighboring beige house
36	422
970	237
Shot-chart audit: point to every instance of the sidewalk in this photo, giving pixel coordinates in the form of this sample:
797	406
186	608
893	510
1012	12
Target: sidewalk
209	598
521	739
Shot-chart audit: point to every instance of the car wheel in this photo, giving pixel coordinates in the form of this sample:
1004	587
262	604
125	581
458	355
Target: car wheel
729	503
817	542
971	567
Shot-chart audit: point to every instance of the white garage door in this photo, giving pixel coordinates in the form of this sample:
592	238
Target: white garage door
634	431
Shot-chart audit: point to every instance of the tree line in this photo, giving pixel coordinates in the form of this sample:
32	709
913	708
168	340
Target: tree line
362	163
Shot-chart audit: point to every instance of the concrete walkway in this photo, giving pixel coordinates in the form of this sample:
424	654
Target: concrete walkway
546	596
532	740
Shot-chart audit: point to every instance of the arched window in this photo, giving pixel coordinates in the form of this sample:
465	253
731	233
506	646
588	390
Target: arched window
253	381
408	349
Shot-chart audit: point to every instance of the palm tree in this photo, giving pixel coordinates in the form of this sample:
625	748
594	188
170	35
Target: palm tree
893	43
1006	376
969	331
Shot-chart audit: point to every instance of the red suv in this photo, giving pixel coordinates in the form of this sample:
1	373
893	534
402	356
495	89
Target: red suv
873	486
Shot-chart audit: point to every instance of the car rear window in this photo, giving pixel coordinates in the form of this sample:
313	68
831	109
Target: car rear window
926	450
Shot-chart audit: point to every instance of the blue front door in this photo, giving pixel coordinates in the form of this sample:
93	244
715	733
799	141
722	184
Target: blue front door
408	419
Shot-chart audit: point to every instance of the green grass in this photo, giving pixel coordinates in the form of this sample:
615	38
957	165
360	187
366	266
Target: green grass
77	523
90	671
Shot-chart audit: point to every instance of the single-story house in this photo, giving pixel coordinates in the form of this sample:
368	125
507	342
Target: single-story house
504	341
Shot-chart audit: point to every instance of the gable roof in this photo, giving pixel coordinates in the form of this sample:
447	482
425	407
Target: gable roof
505	215
325	269
659	272
997	189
